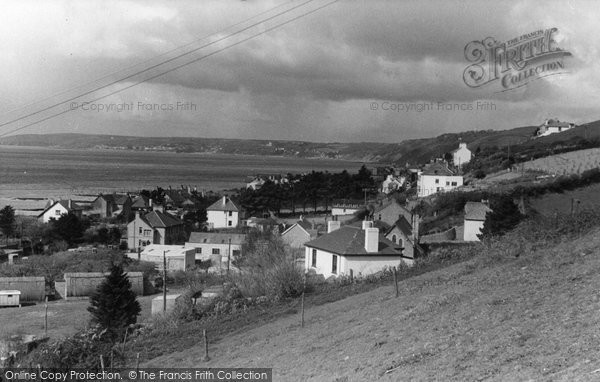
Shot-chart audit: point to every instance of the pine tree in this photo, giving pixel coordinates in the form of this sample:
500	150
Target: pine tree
114	306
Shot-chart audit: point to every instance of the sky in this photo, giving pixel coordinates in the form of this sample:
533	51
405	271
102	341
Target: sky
350	71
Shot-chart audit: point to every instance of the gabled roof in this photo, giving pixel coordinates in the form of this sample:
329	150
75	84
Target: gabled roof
437	169
64	204
476	211
306	226
387	204
157	219
223	204
403	225
141	202
350	241
217	238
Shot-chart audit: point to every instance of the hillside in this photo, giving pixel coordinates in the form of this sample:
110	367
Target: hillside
496	317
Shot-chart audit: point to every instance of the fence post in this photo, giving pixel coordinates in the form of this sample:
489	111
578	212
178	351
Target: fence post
206	357
302	303
137	362
396	281
351	276
46	318
102	363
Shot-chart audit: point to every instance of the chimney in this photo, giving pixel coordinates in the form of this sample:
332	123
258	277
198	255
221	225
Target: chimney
371	239
332	226
150	203
367	224
70	204
415	227
224	200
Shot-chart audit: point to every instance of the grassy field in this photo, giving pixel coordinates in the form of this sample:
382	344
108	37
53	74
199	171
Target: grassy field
550	204
64	317
531	317
574	162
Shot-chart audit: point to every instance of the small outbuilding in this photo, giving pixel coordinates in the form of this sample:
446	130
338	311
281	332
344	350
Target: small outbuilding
10	298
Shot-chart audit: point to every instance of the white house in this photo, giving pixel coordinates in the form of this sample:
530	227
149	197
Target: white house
475	213
461	155
553	126
59	208
437	177
392	183
223	214
154	227
362	250
178	257
218	247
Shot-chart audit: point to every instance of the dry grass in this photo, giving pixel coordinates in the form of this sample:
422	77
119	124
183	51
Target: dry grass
574	162
508	318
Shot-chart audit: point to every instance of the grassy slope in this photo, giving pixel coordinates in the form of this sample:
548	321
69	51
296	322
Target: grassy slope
535	316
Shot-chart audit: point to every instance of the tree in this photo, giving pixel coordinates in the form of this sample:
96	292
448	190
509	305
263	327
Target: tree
68	228
505	216
7	220
113	305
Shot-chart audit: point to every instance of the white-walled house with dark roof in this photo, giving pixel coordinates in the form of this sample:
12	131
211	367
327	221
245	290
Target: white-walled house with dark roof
475	213
223	214
362	250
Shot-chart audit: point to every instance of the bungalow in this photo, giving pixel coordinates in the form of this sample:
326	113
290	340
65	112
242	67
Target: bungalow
461	155
153	228
475	213
437	177
361	250
219	247
105	206
390	211
299	233
346	207
223	214
178	258
142	204
55	210
553	126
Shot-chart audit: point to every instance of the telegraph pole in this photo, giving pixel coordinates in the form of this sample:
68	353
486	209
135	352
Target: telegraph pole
228	256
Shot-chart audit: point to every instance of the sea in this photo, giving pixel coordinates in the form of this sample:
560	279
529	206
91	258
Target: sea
30	176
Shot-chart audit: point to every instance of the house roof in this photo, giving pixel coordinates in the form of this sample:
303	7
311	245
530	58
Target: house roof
64	204
167	250
141	202
223	204
157	219
350	241
476	211
403	225
387	204
306	226
556	123
217	238
437	169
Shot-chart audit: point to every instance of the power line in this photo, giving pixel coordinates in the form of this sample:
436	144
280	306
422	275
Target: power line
162	63
145	61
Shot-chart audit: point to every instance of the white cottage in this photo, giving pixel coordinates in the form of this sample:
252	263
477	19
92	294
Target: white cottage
475	213
362	250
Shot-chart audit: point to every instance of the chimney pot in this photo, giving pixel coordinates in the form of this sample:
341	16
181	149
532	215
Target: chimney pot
224	200
367	224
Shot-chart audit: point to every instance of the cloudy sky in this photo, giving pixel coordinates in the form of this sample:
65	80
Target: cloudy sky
331	75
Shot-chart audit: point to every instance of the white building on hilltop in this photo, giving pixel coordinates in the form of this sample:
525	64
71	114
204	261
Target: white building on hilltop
553	126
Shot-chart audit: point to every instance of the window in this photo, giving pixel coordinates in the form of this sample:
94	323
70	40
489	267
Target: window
230	223
57	212
437	181
401	242
216	251
230	213
198	250
379	216
314	258
235	253
394	239
454	183
334	264
447	183
141	230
